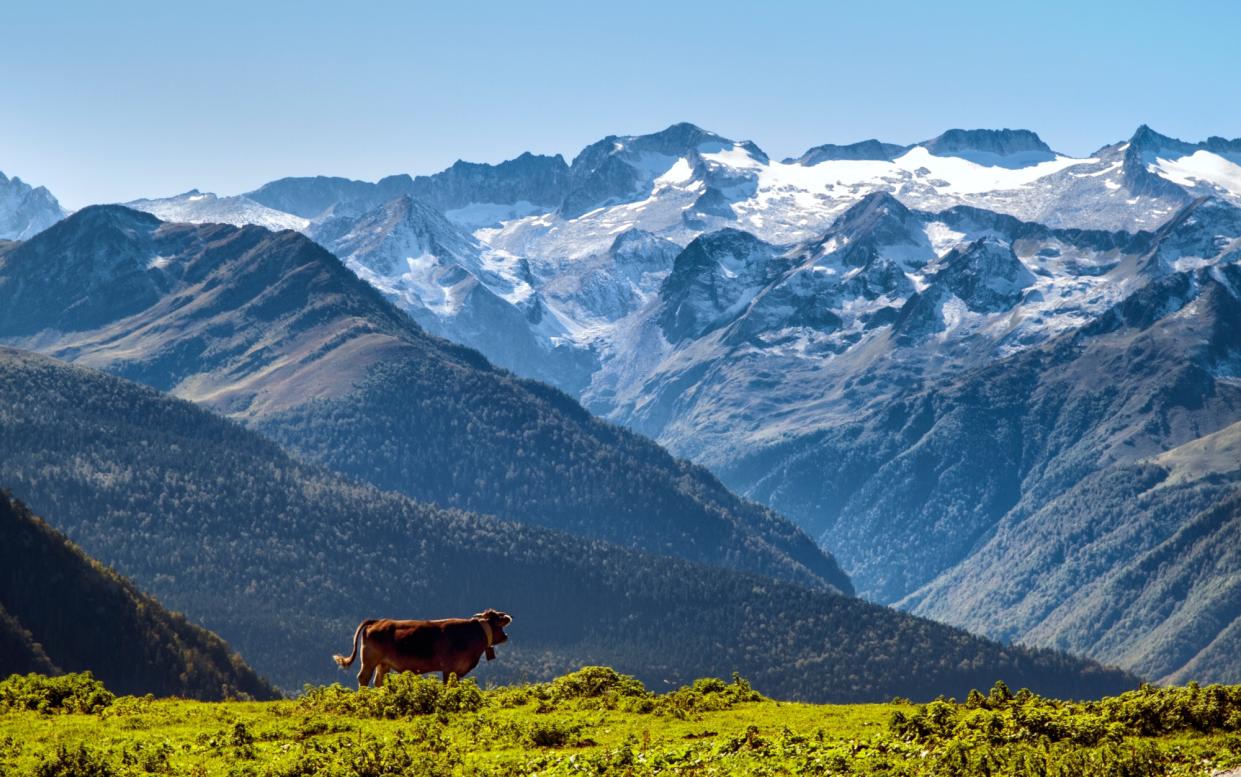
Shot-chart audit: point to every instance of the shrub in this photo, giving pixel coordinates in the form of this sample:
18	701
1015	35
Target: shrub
592	682
148	759
402	695
551	733
1150	711
78	762
708	694
1002	716
71	693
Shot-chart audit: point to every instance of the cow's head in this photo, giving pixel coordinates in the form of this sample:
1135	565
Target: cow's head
497	621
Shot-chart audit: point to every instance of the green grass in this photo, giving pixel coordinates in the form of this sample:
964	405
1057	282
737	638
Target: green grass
597	722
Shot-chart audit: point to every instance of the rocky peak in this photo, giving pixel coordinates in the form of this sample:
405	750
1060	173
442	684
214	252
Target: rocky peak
620	168
986	275
712	280
1147	141
876	210
872	149
1002	142
322	196
532	178
875	225
1205	231
638	248
386	238
677	140
25	210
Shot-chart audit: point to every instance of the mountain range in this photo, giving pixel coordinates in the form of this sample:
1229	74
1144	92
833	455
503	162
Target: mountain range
271	329
981	372
283	558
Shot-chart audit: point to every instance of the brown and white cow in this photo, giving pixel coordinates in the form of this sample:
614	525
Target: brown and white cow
449	646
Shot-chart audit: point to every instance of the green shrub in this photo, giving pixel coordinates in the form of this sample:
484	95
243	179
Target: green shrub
709	694
148	759
459	696
402	695
334	699
1002	717
551	733
71	693
1150	711
592	682
77	762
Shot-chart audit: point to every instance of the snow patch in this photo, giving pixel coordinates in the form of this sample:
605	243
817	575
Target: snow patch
1198	168
490	214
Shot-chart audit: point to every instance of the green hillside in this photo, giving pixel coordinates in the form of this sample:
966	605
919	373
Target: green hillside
60	610
597	722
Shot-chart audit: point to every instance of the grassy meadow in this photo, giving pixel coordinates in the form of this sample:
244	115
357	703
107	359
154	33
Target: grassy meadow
595	722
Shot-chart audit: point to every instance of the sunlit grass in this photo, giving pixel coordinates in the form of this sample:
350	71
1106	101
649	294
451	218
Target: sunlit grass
598	722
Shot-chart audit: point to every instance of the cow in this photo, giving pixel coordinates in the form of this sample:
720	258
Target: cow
448	646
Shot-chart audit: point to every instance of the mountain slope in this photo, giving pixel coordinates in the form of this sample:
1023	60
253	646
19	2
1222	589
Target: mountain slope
284	559
1135	564
947	461
19	653
450	283
72	611
918	390
275	331
25	210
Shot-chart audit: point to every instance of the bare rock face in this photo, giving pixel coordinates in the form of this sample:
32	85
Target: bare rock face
25	210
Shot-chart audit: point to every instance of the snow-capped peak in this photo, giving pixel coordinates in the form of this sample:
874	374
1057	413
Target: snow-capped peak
620	169
26	210
195	207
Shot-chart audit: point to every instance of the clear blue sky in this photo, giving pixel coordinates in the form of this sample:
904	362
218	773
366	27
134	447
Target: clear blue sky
111	101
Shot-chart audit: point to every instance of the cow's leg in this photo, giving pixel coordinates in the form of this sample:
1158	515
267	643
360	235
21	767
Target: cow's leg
380	673
444	674
369	661
364	675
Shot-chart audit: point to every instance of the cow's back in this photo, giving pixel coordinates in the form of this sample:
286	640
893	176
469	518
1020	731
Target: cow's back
420	640
423	645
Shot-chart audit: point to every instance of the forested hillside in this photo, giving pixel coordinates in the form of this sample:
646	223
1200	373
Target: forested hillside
283	559
272	329
1138	564
62	611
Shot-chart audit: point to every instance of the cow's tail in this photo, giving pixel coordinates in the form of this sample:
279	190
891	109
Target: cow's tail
341	661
